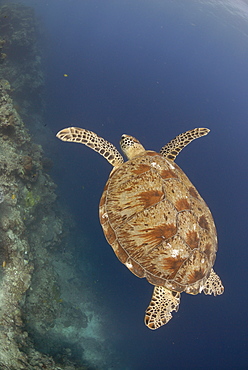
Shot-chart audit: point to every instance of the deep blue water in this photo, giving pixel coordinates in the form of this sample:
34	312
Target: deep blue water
154	69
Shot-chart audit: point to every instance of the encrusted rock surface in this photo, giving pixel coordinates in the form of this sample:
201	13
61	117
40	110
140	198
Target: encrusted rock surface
47	316
17	214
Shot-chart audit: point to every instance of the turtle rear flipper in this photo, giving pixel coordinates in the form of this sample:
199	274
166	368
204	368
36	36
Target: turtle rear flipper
213	285
163	302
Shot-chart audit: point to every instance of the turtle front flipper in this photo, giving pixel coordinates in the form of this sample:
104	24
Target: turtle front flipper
163	302
174	147
92	140
213	285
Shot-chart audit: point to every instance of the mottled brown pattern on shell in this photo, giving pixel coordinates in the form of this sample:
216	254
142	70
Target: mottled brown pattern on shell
128	196
207	250
155	236
119	251
203	222
182	204
150	197
162	257
109	233
193	192
147	229
136	268
176	192
172	265
151	153
103	200
193	269
158	224
167	174
204	216
155	280
142	168
206	245
192	239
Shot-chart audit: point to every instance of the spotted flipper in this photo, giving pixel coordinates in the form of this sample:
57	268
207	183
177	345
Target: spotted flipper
174	147
163	302
213	285
92	140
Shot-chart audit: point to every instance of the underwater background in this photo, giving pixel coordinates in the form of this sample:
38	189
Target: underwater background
151	69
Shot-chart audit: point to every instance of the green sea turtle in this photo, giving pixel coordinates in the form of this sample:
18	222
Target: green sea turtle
155	220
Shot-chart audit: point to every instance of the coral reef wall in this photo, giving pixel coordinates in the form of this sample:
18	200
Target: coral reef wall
21	177
47	313
20	58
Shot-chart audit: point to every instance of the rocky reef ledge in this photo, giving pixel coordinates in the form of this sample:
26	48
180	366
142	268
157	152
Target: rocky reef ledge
47	315
50	317
23	186
44	304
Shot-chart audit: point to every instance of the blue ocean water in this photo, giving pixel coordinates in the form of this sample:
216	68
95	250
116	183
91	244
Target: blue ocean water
154	69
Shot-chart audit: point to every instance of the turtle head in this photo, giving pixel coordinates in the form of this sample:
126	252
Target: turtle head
130	146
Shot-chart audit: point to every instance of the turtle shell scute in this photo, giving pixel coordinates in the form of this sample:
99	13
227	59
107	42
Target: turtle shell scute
158	224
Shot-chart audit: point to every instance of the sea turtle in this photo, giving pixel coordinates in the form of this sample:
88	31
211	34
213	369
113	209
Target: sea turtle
155	220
